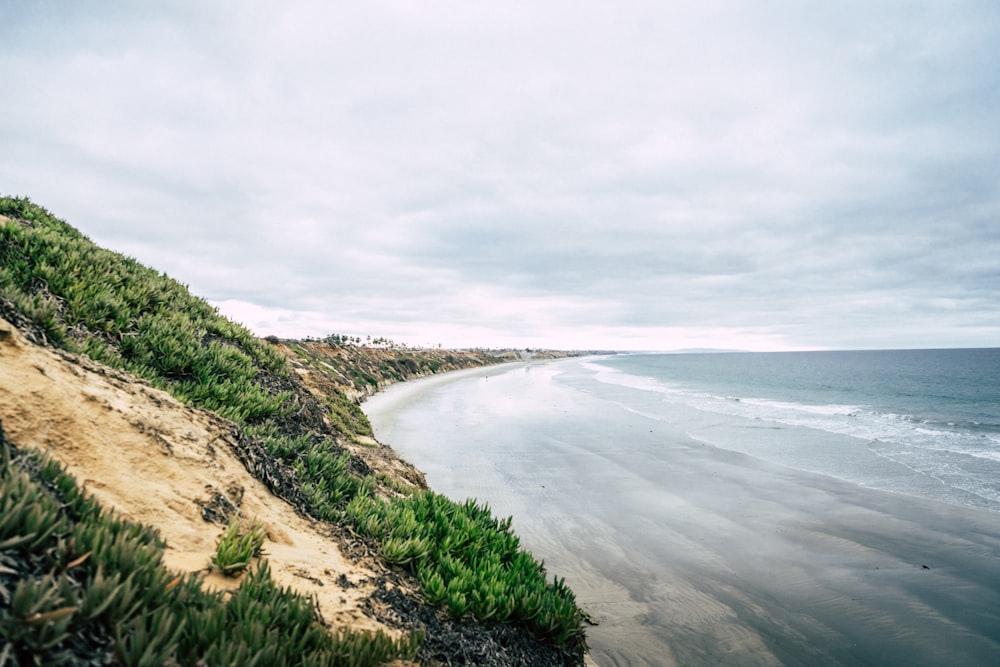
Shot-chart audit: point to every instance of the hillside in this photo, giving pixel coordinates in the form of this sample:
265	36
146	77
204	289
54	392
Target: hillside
180	419
359	371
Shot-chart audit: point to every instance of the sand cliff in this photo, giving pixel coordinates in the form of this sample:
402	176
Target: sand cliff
157	461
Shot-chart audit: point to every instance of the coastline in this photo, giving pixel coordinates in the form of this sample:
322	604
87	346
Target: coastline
140	424
690	554
396	396
182	470
393	396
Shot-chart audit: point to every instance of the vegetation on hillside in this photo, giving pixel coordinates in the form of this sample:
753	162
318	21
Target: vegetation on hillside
121	313
470	562
117	311
81	586
363	370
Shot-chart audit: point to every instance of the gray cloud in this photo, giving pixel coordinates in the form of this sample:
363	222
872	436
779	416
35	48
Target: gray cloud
562	174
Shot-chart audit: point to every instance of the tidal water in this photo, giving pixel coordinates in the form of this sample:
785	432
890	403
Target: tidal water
828	508
933	415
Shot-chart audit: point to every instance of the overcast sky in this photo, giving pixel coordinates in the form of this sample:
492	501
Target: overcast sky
579	174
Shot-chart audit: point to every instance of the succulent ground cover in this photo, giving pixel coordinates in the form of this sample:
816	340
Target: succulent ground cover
469	562
80	586
239	545
89	300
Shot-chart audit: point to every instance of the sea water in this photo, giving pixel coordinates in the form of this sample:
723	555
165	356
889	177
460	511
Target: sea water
713	509
933	416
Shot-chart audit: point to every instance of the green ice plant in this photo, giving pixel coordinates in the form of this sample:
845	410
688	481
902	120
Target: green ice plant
148	640
124	314
39	615
28	518
328	484
106	576
348	416
240	543
468	562
390	482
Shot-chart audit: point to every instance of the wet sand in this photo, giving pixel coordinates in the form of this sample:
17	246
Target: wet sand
690	554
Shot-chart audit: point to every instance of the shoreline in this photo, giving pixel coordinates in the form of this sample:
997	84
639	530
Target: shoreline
184	477
688	553
424	383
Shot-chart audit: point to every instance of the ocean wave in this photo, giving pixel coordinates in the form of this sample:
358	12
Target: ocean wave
951	448
964	437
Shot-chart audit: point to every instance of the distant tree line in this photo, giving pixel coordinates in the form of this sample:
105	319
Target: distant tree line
343	340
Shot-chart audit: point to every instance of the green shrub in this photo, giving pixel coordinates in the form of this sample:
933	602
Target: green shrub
104	577
469	562
126	315
347	416
239	544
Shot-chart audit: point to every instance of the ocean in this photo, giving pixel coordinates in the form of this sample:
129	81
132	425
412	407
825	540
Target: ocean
809	508
933	414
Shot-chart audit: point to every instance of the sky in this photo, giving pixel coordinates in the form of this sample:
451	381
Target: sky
565	174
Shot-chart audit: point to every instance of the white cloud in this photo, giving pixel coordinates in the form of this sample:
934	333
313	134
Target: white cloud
553	173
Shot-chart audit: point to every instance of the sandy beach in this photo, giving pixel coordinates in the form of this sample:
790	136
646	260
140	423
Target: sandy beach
689	554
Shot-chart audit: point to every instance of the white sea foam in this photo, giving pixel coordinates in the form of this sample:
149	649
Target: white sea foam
958	457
